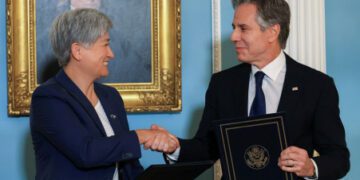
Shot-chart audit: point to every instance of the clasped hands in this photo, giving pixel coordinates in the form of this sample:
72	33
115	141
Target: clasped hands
158	139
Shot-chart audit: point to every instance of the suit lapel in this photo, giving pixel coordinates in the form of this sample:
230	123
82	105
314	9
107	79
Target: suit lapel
292	88
241	88
76	93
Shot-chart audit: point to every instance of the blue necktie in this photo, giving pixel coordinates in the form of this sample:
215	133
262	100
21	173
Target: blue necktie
258	106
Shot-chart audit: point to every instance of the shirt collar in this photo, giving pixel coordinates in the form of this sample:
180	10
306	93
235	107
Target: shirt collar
272	69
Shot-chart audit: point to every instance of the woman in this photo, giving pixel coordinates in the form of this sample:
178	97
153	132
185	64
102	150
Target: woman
79	127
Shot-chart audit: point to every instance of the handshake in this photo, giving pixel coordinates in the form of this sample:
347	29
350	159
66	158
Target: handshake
158	139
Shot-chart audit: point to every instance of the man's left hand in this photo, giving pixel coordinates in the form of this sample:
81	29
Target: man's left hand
296	160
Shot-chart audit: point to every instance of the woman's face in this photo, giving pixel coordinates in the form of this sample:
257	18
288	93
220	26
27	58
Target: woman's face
94	4
95	59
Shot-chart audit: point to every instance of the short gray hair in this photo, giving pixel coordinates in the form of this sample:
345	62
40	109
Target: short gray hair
270	12
82	26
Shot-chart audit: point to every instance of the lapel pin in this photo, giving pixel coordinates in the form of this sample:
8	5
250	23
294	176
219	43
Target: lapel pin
112	116
295	88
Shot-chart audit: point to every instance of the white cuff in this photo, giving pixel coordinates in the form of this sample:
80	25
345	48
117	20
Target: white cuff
172	158
316	175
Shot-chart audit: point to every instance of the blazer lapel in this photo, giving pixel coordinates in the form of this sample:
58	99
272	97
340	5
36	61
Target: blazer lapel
292	88
114	119
76	93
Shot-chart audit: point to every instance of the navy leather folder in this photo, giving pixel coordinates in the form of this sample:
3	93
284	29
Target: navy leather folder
250	147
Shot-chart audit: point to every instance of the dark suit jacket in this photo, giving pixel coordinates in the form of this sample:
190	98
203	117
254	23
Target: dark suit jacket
312	115
69	139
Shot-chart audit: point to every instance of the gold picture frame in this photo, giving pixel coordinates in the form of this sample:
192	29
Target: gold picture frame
162	94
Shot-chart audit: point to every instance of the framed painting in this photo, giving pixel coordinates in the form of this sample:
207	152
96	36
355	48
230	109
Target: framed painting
146	40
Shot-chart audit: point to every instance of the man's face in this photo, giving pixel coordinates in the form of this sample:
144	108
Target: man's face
94	4
251	43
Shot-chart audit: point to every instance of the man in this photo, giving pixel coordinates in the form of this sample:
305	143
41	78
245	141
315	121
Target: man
133	60
77	4
308	97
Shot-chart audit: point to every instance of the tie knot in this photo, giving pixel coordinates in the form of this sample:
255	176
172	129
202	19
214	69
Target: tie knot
259	76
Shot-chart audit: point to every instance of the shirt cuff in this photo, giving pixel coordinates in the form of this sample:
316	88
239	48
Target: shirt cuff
316	172
172	158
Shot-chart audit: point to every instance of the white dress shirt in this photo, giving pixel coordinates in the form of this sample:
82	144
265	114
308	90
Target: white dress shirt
272	85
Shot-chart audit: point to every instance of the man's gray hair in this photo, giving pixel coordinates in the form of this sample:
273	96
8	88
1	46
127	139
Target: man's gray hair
82	26
271	12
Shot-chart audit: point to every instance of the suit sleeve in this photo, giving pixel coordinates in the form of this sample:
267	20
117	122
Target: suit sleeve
57	121
333	161
203	146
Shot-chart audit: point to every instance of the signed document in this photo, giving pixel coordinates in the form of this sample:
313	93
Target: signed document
250	147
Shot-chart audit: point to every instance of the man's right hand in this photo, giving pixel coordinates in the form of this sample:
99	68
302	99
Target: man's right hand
158	139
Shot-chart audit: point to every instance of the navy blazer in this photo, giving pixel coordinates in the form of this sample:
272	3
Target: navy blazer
69	139
312	118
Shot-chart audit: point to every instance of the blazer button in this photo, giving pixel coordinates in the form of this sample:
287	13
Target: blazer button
127	155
